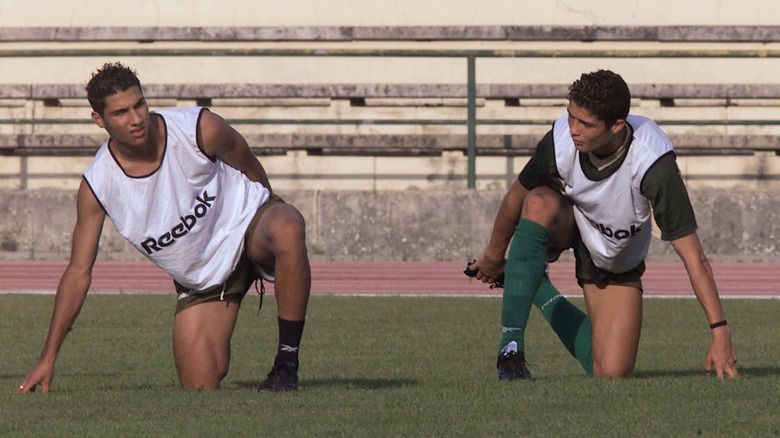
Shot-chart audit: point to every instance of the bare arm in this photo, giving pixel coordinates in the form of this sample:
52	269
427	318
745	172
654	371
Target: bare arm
491	264
72	289
721	354
219	139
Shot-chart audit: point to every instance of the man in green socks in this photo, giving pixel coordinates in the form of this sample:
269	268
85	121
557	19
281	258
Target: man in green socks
592	185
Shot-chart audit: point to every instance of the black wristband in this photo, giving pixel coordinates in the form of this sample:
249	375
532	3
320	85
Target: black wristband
718	324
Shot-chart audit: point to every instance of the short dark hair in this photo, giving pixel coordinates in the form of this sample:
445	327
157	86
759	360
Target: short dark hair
108	80
604	93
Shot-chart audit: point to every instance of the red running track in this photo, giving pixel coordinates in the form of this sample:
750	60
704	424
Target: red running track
391	278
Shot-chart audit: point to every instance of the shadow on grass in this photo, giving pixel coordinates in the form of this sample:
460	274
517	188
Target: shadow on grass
57	376
13	376
649	374
354	383
743	371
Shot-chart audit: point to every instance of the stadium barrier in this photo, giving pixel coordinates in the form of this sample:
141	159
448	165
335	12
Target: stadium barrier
37	121
52	95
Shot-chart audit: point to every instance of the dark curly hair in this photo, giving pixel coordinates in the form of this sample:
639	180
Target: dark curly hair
604	93
108	80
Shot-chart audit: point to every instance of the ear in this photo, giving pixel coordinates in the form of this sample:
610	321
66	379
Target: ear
618	126
98	119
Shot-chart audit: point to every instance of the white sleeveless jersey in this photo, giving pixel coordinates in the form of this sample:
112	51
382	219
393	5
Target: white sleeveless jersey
190	215
612	215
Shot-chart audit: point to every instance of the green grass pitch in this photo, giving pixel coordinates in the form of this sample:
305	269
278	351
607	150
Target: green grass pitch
386	366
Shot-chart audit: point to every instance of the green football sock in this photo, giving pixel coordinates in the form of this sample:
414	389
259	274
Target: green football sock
570	323
524	270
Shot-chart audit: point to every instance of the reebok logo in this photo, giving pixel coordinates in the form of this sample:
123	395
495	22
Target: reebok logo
181	229
617	234
288	349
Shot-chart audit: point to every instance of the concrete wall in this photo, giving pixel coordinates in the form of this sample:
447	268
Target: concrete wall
411	225
384	13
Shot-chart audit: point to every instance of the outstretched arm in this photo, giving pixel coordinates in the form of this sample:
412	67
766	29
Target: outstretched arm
721	354
219	139
72	289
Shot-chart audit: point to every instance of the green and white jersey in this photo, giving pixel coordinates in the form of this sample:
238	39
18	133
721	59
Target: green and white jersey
613	206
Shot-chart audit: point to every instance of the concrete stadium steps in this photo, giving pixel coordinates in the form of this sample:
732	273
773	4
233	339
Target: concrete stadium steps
32	51
679	33
397	119
395	90
401	89
383	144
391	278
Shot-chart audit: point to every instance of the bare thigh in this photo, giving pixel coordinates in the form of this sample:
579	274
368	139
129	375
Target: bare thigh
201	342
615	314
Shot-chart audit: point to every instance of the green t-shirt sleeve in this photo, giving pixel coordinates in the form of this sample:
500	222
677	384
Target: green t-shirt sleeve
541	169
672	209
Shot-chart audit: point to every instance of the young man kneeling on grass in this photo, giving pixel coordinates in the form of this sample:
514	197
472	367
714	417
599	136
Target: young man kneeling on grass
183	187
591	185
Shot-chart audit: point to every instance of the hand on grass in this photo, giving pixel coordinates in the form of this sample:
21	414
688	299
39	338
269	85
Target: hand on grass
722	355
41	374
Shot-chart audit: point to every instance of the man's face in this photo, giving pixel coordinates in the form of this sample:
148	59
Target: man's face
589	133
125	117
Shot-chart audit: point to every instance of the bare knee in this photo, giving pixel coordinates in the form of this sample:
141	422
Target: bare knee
201	361
542	205
614	370
205	374
281	232
612	374
287	227
200	384
614	355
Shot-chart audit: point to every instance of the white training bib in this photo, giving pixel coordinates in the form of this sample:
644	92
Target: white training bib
612	215
189	216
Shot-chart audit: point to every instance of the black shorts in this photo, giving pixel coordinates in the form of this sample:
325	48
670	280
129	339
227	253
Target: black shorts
239	281
587	272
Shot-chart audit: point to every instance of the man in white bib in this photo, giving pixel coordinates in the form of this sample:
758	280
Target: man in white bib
184	188
592	185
